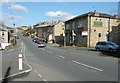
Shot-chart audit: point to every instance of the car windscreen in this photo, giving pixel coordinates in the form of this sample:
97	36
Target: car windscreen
112	44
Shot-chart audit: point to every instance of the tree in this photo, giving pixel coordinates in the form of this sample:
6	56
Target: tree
30	31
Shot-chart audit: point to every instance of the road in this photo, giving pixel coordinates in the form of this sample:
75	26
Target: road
56	64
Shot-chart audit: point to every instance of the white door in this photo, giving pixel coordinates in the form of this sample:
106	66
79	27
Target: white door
50	38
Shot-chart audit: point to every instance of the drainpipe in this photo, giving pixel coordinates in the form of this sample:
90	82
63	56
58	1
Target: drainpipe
64	36
89	27
109	30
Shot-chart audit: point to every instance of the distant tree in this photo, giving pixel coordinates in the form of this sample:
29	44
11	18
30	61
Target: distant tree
30	31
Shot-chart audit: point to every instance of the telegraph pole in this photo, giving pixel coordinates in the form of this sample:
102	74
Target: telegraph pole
13	23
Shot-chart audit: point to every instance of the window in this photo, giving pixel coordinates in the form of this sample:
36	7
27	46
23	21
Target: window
63	27
97	24
73	25
99	35
106	23
67	26
2	33
104	43
80	24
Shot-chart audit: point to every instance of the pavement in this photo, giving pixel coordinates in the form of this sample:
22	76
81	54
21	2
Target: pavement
70	47
10	66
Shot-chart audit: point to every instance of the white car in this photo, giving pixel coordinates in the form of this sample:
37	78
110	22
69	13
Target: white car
0	47
4	45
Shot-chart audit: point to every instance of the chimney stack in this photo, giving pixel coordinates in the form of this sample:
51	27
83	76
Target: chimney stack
94	11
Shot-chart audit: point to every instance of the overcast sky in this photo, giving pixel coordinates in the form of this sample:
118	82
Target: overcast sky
29	13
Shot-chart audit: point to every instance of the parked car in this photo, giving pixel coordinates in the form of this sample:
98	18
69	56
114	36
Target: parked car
107	46
41	43
34	40
16	37
0	47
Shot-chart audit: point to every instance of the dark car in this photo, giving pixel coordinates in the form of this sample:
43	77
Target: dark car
16	37
107	46
34	40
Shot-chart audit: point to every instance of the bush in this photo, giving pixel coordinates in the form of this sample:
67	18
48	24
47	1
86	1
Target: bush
13	42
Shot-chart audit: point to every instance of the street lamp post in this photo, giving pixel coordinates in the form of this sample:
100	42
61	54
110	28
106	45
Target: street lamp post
15	32
64	39
64	36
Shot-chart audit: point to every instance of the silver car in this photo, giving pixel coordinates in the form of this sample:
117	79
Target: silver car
107	46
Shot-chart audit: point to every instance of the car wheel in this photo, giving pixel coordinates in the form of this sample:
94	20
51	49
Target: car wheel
110	50
97	49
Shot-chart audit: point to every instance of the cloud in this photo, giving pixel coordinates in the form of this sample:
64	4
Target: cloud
59	14
5	0
18	8
11	19
13	6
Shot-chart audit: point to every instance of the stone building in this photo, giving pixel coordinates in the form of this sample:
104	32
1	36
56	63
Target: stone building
50	31
4	36
89	28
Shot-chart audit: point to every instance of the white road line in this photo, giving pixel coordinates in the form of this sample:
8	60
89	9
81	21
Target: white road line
21	49
33	43
40	75
24	53
12	50
21	43
45	80
43	49
60	56
35	71
49	52
8	54
87	66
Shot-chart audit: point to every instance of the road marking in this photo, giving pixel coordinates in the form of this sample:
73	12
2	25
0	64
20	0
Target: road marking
43	49
22	72
35	71
12	50
21	49
33	43
60	56
49	52
6	54
87	66
21	43
45	80
24	53
40	75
